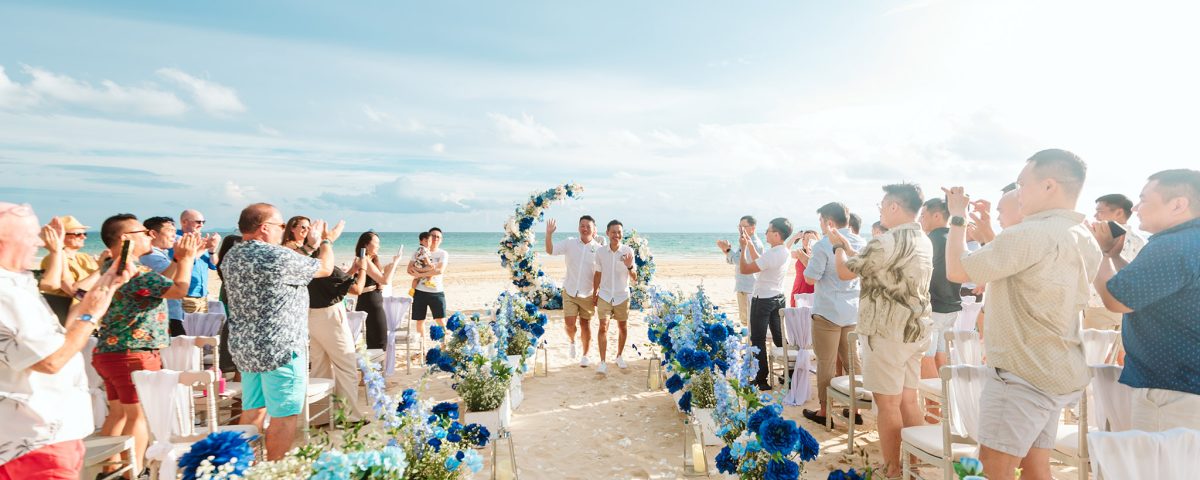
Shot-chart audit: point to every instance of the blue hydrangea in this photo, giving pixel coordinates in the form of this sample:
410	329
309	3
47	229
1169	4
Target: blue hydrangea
778	435
224	447
694	360
782	470
807	446
760	416
446	410
437	333
726	463
685	402
674	384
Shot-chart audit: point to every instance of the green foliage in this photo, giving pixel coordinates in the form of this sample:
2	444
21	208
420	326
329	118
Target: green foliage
703	395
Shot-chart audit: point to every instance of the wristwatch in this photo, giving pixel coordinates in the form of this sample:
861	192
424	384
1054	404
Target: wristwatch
958	221
87	318
630	267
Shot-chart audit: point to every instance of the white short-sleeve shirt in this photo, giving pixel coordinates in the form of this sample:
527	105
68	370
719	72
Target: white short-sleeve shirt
436	257
773	268
37	409
581	265
614	275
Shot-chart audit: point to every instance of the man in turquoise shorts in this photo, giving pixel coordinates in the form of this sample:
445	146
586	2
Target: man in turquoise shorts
268	321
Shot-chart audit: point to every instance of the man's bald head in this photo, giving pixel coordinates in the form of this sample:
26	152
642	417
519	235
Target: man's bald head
18	237
191	221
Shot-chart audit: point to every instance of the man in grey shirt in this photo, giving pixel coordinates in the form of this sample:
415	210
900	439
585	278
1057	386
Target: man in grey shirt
835	304
743	282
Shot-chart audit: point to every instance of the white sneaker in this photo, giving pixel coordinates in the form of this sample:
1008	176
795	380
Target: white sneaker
602	368
621	363
572	354
583	361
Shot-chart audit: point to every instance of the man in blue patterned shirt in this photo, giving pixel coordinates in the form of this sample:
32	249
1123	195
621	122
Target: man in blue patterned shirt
1159	293
267	286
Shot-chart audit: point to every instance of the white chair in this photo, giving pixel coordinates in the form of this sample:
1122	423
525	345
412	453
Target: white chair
216	306
99	449
1070	447
186	353
357	321
847	390
95	385
170	413
1100	346
319	390
968	316
804	299
1136	454
954	437
203	324
1112	400
963	347
783	357
398	330
797	324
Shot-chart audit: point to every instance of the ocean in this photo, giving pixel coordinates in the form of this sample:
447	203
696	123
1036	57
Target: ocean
483	245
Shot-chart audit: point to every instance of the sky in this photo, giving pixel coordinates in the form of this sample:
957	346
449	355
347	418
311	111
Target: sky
675	116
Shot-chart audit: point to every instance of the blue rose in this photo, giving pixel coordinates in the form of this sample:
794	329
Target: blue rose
537	201
437	333
445	363
725	461
807	446
537	330
693	359
407	400
446	409
760	416
779	435
432	356
454	323
531	309
685	402
436	443
721	365
717	333
785	470
674	384
451	464
477	434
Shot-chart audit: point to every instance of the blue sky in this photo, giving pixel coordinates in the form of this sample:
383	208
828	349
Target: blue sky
676	116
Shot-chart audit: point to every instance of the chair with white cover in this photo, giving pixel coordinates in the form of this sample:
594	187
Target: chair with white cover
1112	401
319	390
968	316
797	324
99	449
1100	346
170	413
186	353
399	330
216	306
1136	454
804	299
954	437
1070	447
95	385
847	390
203	324
963	347
357	322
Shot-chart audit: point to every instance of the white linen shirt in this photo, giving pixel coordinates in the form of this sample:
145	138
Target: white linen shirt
772	265
581	265
614	275
37	409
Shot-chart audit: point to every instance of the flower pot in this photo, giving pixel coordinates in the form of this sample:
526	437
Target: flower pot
494	420
708	425
519	370
515	394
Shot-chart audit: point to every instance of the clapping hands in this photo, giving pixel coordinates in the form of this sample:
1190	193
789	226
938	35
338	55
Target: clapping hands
52	235
187	246
957	201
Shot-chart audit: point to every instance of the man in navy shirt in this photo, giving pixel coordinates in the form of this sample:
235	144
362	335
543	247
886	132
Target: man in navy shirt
192	221
1159	293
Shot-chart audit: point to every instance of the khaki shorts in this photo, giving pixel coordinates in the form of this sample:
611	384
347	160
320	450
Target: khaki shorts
618	312
577	306
195	304
1015	416
889	366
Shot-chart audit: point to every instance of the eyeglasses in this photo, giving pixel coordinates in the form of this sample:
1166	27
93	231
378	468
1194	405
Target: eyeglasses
84	235
198	222
135	232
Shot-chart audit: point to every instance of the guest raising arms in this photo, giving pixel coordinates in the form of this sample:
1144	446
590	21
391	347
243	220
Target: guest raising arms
371	298
76	266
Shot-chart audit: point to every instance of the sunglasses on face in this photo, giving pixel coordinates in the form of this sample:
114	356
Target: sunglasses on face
83	235
135	232
198	222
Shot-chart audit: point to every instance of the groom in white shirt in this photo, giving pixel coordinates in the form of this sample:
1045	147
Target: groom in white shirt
578	295
614	270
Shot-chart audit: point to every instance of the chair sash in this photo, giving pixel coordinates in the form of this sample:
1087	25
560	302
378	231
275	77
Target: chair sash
95	384
804	299
164	401
1113	401
967	316
204	324
799	334
965	388
216	306
1099	345
356	320
396	309
1135	454
183	354
965	347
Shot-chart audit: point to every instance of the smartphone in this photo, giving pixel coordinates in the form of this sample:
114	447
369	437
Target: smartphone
1115	229
362	252
400	251
124	256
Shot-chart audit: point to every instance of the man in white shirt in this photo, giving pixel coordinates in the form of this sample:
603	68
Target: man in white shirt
614	270
429	296
743	284
577	290
771	267
1116	208
44	398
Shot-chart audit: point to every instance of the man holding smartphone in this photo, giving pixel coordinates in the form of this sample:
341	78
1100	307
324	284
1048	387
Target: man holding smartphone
1114	211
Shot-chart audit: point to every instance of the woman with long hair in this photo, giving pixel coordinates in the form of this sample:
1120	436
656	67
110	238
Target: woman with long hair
371	299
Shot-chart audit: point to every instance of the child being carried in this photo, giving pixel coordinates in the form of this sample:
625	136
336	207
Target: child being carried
421	259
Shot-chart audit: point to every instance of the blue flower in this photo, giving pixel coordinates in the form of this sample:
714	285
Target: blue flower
531	309
721	365
760	416
407	400
476	434
445	363
473	460
782	470
446	410
225	447
537	201
779	435
725	461
717	332
971	466
525	223
840	475
537	330
674	384
694	360
454	323
451	464
685	402
436	443
807	446
437	333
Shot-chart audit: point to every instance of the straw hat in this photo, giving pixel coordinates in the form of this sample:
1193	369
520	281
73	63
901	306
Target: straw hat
70	223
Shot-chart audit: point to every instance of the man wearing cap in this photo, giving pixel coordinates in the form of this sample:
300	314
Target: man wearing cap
76	266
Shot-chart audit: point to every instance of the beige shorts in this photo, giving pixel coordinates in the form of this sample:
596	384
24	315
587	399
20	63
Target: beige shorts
889	366
618	312
195	304
1015	416
577	306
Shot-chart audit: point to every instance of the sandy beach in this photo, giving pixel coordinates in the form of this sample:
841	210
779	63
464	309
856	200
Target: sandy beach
575	423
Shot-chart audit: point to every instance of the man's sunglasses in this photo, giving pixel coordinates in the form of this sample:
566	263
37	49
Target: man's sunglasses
84	235
135	232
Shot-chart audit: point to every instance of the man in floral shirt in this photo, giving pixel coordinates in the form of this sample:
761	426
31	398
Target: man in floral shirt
267	286
135	327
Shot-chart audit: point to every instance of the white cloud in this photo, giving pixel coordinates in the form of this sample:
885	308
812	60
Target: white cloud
411	126
237	194
265	130
109	96
524	131
438	148
13	95
212	97
670	140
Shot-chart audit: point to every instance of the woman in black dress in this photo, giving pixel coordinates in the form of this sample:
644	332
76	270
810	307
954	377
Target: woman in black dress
371	300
